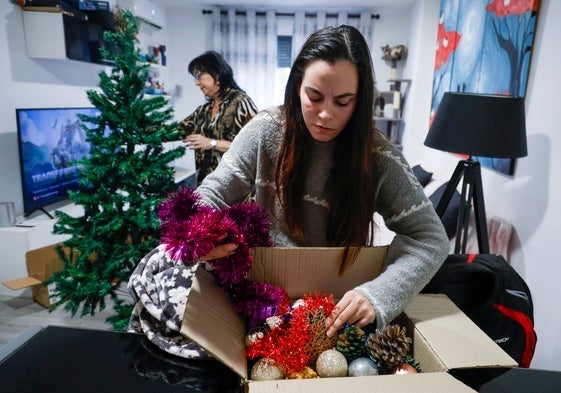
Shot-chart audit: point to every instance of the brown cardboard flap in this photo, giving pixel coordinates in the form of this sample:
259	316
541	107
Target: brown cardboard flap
300	271
211	321
43	262
454	339
404	383
20	283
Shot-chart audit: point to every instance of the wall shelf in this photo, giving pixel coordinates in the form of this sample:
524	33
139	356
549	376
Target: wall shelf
58	34
391	104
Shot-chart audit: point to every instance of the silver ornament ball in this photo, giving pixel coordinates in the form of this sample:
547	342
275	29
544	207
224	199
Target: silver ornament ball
362	367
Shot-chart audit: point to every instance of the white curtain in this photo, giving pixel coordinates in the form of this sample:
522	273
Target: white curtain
306	23
248	41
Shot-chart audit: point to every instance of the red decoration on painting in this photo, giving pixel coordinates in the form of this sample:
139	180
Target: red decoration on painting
447	42
502	8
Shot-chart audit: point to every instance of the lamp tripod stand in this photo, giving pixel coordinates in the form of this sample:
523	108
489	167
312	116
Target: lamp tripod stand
472	193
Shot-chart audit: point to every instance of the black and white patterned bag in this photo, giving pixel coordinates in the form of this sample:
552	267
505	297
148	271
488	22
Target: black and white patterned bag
160	287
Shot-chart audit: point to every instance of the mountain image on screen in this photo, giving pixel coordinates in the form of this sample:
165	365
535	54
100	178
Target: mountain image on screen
51	143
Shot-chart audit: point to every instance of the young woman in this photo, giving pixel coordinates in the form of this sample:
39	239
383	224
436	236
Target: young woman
320	170
213	125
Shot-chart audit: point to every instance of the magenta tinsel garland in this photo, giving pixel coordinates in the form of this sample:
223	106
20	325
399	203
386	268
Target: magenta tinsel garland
195	238
190	230
252	222
181	205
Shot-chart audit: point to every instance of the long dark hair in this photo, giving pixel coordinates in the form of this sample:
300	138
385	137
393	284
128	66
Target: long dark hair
213	63
350	187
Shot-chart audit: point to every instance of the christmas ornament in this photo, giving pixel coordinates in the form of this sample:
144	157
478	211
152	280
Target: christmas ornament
274	322
265	370
305	373
362	367
254	335
351	342
331	363
404	368
388	346
298	303
294	343
316	316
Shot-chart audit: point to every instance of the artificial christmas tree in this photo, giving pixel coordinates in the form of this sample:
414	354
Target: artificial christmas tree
122	181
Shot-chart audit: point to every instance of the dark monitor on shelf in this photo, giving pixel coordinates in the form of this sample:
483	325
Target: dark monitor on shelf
84	40
51	142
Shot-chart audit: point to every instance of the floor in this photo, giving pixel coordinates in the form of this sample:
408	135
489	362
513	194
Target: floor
18	313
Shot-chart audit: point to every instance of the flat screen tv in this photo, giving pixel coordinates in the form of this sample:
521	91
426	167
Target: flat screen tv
51	141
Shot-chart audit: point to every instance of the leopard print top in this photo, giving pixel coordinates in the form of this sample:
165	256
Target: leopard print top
235	110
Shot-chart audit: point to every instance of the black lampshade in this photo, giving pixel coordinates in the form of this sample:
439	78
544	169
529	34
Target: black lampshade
485	125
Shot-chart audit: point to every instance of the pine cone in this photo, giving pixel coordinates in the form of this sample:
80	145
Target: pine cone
351	342
388	346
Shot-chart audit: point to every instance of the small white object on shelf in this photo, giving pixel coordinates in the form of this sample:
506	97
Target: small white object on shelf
396	100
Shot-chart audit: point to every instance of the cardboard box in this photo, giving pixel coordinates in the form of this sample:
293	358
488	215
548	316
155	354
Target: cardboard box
41	264
443	337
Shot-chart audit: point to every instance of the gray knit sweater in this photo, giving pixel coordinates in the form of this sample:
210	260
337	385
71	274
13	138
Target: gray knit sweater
416	252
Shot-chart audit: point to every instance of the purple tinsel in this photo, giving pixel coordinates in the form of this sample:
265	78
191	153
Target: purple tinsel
258	301
190	230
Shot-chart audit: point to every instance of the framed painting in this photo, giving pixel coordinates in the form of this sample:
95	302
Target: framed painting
484	46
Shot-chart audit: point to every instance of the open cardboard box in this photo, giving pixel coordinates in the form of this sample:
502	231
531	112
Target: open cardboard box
444	338
41	264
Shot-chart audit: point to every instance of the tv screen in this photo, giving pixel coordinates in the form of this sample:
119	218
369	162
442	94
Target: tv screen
51	141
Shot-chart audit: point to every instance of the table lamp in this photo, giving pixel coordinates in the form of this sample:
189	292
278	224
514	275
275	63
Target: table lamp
483	125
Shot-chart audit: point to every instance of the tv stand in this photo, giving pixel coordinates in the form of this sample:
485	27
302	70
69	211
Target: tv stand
41	209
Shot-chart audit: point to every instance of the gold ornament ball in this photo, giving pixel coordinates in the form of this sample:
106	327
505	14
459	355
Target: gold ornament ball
331	363
266	370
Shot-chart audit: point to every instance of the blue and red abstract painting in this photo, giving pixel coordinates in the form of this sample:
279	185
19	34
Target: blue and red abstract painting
484	46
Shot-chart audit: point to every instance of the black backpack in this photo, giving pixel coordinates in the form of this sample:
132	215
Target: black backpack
494	296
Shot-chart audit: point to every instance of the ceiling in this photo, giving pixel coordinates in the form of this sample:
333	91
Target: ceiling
331	4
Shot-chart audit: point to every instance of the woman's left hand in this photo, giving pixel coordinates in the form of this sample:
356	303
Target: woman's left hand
221	251
197	142
354	309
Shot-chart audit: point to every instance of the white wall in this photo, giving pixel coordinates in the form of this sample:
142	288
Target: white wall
189	33
529	199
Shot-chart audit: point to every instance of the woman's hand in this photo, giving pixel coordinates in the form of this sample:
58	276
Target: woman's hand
221	251
197	142
354	309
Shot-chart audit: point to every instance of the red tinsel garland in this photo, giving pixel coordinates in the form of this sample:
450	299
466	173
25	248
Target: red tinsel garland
286	344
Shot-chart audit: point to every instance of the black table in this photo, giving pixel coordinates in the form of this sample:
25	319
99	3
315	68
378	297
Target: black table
510	380
62	359
73	360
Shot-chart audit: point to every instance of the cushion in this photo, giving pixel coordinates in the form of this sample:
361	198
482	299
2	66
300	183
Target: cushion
423	176
450	217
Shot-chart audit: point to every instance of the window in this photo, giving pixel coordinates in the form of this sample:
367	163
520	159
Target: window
284	51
